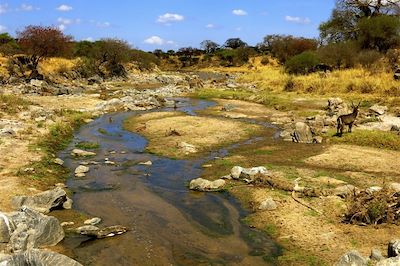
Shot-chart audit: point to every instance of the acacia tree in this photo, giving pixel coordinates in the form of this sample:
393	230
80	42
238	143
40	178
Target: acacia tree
39	42
209	46
235	43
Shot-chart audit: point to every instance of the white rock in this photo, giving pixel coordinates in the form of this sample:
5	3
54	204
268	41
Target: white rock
78	152
378	109
201	184
81	169
148	163
93	221
58	161
268	205
236	171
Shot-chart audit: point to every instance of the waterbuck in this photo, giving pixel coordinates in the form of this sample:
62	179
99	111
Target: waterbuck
347	119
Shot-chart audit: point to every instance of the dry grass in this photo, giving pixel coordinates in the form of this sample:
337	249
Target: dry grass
349	83
57	65
203	132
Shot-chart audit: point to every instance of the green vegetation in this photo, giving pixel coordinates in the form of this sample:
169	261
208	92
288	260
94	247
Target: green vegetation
302	63
370	138
87	145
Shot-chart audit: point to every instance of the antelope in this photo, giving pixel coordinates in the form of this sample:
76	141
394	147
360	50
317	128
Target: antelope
347	119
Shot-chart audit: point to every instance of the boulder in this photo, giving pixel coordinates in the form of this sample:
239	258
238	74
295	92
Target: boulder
187	148
250	173
378	109
352	258
201	184
58	161
344	191
37	257
30	229
43	202
376	255
268	205
302	133
82	153
236	171
337	107
394	248
389	262
394	186
5	228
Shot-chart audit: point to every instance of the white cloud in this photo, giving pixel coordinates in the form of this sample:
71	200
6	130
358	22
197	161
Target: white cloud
3	8
298	20
168	17
103	24
26	7
156	40
65	21
64	8
239	12
3	28
210	26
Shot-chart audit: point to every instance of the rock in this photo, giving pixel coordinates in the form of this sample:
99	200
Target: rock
82	153
187	148
5	228
394	248
236	171
302	133
250	173
390	261
378	109
228	107
318	139
201	184
93	231
43	202
36	82
81	170
93	221
37	257
31	229
344	191
395	187
395	128
64	224
7	132
337	107
148	163
286	135
268	205
373	189
376	255
58	161
94	80
68	204
352	258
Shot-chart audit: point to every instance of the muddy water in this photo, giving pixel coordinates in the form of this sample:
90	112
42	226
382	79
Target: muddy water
169	225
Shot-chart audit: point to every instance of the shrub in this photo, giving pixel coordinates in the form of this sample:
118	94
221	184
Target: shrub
339	55
302	64
289	85
367	58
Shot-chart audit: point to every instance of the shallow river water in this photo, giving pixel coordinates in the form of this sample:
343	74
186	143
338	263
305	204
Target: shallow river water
169	224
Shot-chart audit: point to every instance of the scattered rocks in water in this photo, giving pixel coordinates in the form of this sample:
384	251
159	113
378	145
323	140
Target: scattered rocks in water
352	258
37	257
268	205
94	231
30	229
93	221
58	161
187	148
43	202
81	171
201	184
148	163
82	153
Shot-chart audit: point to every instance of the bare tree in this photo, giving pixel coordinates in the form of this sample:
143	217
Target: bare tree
209	46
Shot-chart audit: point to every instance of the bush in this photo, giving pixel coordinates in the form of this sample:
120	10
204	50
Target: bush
339	55
367	58
303	63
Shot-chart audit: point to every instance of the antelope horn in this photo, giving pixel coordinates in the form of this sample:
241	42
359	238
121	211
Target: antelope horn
359	103
352	104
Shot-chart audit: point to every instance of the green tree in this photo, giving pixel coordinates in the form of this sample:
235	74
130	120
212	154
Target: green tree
235	43
302	64
379	33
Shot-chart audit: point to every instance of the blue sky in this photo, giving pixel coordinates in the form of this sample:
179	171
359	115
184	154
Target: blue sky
169	24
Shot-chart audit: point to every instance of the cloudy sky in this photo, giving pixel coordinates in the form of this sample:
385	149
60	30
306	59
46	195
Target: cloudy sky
168	24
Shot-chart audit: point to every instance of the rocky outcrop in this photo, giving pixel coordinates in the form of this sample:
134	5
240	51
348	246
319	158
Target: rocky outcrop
37	257
43	202
352	258
201	184
30	229
378	109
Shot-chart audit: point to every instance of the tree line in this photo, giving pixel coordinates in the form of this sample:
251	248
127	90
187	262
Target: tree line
357	32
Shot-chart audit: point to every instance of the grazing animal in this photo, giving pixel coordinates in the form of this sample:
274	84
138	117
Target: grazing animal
347	119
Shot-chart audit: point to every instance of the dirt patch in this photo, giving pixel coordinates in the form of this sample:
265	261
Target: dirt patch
166	131
357	158
84	102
